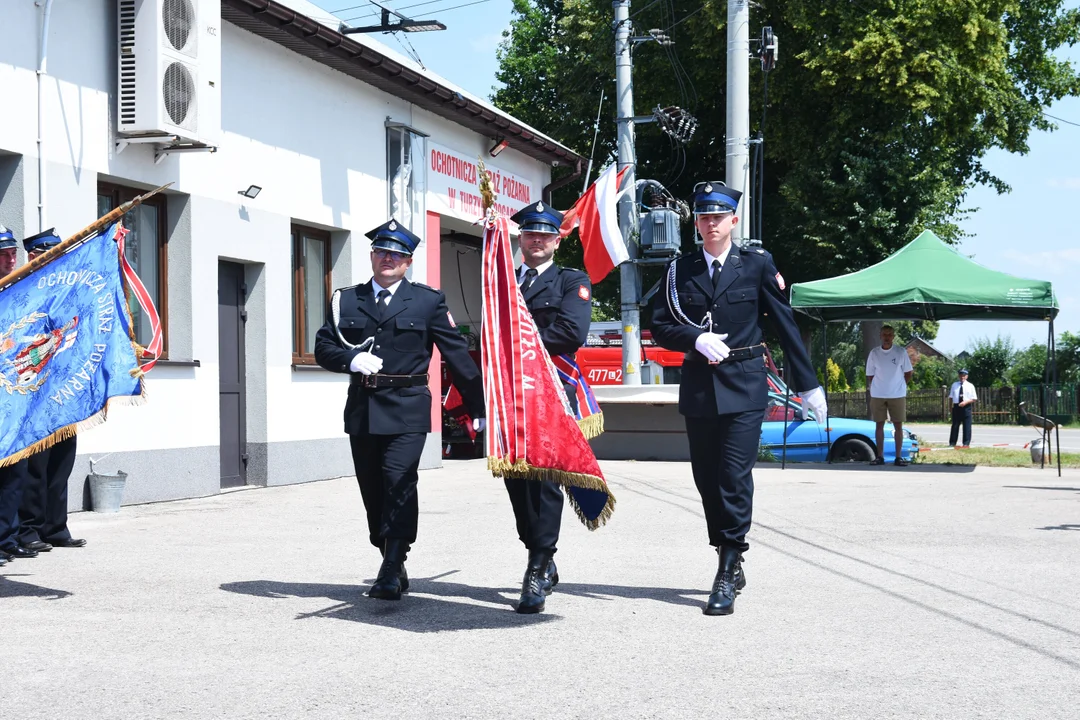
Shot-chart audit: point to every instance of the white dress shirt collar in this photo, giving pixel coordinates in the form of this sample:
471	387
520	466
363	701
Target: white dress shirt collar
539	270
376	287
722	257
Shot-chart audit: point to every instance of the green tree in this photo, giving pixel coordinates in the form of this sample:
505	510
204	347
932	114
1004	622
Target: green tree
1068	357
932	372
880	111
1028	366
837	381
990	361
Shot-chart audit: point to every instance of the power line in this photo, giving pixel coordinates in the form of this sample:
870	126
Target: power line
1055	117
374	12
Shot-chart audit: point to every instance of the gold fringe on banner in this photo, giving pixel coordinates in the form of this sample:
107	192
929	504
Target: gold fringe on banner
592	426
520	469
75	428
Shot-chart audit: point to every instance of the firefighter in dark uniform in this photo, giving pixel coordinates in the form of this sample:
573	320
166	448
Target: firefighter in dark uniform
382	332
43	513
560	300
12	477
709	308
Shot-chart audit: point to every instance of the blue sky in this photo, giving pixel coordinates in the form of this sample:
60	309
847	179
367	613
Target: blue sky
1029	232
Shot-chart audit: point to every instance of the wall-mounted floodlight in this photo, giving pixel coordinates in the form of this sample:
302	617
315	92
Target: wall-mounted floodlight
251	193
498	147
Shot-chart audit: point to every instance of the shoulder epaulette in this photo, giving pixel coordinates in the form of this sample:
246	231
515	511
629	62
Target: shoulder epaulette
424	287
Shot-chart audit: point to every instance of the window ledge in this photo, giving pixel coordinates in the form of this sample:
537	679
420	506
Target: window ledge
179	363
304	367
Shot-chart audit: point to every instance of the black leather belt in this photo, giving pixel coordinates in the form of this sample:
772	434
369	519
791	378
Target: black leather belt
380	381
736	354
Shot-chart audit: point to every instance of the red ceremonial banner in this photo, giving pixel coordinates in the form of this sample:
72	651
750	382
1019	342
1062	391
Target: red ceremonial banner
531	432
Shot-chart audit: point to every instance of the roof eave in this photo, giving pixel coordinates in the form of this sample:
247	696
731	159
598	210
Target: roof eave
303	35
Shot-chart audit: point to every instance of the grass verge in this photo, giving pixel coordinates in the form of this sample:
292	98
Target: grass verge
987	457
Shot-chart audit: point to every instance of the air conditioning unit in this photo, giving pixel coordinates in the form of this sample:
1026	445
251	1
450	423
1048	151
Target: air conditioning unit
169	70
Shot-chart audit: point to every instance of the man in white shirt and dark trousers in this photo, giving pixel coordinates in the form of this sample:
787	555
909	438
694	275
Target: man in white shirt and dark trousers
888	372
963	397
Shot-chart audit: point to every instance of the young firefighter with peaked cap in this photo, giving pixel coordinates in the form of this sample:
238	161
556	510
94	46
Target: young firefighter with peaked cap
709	308
382	332
43	513
560	301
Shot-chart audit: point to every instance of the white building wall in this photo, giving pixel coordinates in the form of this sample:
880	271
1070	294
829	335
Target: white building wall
312	138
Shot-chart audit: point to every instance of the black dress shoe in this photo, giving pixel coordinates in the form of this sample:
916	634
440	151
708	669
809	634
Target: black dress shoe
532	591
4	557
388	585
68	543
550	578
17	551
722	599
38	546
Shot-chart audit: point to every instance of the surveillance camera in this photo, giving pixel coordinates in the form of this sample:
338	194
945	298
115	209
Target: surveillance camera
554	163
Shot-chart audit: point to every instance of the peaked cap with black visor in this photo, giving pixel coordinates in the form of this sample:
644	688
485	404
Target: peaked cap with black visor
538	218
393	236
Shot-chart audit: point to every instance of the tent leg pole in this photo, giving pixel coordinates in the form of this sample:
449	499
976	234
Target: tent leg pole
1042	393
828	431
1053	384
787	408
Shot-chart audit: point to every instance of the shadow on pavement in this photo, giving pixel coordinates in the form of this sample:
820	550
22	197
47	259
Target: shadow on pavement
1073	526
13	588
417	611
1040	487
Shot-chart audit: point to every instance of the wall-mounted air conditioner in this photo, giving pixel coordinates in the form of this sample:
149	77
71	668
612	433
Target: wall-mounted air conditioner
169	69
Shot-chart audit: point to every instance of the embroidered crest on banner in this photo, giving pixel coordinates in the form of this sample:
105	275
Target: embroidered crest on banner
25	370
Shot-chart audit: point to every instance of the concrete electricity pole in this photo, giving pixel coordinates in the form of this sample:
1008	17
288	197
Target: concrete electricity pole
737	171
628	214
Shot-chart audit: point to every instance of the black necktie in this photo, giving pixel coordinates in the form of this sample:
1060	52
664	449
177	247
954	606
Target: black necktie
381	301
961	392
716	267
527	281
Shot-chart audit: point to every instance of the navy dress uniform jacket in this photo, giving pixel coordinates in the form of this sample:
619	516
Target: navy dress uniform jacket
560	300
748	286
415	319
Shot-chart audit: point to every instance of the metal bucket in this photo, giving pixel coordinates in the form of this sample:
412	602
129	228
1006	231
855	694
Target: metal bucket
1039	454
106	491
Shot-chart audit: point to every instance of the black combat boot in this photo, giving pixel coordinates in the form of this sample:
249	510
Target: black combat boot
550	578
389	585
532	592
722	599
404	576
740	576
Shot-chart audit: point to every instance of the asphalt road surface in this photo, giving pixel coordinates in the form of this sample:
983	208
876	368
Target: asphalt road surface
1014	436
873	593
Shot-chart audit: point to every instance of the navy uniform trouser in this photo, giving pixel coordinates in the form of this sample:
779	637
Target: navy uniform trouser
960	416
538	505
723	450
43	513
12	482
386	470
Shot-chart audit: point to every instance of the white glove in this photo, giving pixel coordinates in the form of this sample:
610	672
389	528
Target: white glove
478	424
366	363
712	346
815	400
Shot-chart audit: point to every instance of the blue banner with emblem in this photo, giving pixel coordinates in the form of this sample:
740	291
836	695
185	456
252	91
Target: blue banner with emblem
66	348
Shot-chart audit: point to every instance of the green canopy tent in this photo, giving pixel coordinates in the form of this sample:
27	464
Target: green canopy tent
929	280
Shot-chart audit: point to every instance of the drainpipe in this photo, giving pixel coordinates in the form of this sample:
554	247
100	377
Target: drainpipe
42	57
552	187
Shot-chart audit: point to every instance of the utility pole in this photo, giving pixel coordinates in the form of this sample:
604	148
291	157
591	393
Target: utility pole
737	170
630	276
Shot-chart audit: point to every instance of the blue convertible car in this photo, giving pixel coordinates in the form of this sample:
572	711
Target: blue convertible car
845	439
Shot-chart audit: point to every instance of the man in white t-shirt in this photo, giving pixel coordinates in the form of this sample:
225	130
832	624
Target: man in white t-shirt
888	372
